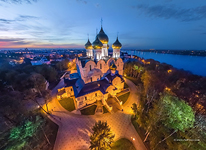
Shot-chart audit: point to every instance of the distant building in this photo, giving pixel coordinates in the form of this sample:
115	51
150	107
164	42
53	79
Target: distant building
40	61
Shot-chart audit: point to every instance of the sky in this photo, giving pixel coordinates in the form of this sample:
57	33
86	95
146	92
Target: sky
139	24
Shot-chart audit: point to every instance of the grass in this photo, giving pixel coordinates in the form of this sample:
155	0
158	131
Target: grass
89	110
125	85
140	131
67	103
124	97
123	144
105	110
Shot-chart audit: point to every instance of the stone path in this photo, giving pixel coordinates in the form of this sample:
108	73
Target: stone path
74	129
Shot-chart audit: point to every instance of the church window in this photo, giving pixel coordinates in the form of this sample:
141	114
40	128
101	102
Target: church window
71	89
90	67
96	94
100	66
85	98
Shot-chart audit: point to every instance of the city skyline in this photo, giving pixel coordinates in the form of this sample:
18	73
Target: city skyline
163	24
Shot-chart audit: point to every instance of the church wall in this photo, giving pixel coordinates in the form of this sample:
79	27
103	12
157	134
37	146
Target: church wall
116	53
118	83
69	90
119	63
90	98
104	68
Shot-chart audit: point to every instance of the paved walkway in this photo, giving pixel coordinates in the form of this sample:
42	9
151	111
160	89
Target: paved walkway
74	130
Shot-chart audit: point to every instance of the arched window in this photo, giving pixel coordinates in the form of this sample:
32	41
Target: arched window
100	66
85	98
90	67
91	79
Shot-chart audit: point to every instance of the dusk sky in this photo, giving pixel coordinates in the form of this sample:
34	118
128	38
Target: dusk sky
142	24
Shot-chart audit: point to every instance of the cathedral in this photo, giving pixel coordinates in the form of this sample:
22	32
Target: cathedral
98	76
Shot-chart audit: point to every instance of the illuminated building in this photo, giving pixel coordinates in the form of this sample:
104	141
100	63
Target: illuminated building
100	76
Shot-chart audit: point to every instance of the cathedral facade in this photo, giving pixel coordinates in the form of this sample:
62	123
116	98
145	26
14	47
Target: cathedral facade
97	63
99	75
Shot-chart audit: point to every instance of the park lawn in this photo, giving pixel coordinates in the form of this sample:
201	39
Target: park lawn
124	97
89	110
105	110
67	103
140	131
125	85
123	144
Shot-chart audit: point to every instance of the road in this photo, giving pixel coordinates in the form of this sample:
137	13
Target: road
74	130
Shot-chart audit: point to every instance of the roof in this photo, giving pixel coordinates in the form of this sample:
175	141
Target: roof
116	44
84	60
103	37
97	44
100	85
68	82
88	45
61	92
113	67
74	76
111	78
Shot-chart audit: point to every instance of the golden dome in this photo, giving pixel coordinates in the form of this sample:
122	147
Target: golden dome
103	37
88	45
97	44
113	67
116	44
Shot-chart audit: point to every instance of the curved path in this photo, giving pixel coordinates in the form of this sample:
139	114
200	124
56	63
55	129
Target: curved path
74	130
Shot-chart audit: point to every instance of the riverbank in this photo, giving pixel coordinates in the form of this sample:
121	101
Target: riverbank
194	64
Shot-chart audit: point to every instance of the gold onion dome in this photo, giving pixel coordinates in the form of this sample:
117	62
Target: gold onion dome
97	44
88	45
113	67
116	44
103	37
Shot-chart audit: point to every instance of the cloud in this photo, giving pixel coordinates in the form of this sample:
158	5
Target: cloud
14	42
5	21
167	12
19	1
22	43
26	17
82	1
19	18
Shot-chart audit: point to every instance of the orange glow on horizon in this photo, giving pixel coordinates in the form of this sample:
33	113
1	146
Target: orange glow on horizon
13	45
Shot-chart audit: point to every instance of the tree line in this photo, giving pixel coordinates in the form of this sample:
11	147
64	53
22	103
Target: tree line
20	86
171	106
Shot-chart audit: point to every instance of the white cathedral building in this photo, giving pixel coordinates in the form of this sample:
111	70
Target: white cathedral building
99	75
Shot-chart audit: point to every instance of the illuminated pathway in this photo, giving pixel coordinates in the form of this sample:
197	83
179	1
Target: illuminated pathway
74	130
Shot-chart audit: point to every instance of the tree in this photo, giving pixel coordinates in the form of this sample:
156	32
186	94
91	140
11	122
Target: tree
134	109
176	114
38	82
102	137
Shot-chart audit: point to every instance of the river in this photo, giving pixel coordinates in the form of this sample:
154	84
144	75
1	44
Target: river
194	64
